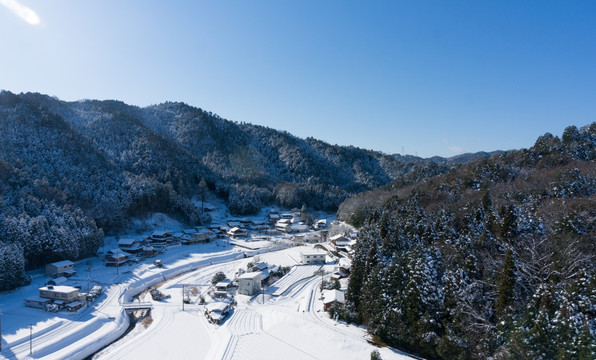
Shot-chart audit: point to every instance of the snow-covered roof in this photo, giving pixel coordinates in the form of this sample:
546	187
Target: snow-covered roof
203	231
160	232
262	266
217	306
337	237
343	243
126	242
345	263
236	229
59	288
117	252
333	295
251	275
62	263
265	274
223	283
301	227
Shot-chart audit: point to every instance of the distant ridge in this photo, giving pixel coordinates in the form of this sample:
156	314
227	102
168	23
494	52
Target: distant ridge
457	159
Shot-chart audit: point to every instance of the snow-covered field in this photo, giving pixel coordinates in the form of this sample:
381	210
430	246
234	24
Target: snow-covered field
289	326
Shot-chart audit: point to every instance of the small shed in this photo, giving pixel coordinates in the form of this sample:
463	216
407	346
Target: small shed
74	306
37	302
60	268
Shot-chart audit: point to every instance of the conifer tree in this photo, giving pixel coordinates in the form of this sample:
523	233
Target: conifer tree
506	286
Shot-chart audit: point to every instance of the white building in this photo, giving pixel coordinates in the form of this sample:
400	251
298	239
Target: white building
61	268
313	257
249	283
59	292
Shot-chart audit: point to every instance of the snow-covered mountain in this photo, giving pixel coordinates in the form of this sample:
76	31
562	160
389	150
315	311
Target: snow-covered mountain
73	170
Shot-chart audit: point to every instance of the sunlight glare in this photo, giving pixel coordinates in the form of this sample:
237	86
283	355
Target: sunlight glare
22	11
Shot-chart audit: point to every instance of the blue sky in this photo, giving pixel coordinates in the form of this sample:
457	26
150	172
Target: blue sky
424	77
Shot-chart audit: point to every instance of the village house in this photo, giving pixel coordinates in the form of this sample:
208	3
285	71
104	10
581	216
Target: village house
194	236
161	234
161	237
249	283
321	224
331	297
313	257
117	257
130	246
273	218
284	225
342	243
60	268
234	223
237	232
204	235
344	266
217	311
149	251
245	221
221	288
59	292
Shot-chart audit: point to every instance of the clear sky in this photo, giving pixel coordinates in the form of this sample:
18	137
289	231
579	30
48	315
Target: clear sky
424	77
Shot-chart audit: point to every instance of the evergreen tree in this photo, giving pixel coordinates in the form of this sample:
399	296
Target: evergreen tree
506	287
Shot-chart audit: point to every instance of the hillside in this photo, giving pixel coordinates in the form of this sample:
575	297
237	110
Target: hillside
72	171
495	258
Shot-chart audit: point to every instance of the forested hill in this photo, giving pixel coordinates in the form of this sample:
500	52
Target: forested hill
70	171
493	259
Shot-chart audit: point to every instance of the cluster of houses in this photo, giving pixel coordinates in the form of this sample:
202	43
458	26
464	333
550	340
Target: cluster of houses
129	249
56	295
246	282
291	223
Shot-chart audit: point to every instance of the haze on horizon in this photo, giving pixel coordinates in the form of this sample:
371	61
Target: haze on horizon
432	78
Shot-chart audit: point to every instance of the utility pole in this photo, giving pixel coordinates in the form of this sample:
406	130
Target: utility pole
182	297
117	260
30	339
